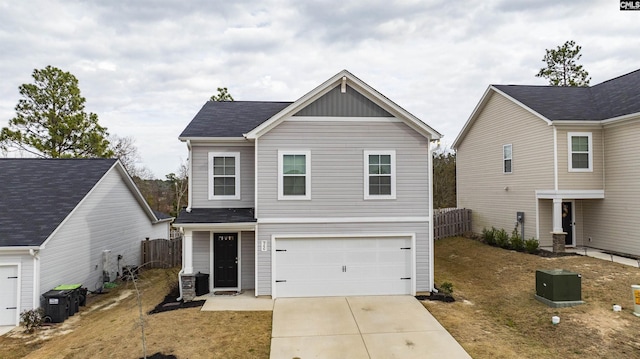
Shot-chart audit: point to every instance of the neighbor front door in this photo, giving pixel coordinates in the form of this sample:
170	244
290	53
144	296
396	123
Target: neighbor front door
567	222
225	260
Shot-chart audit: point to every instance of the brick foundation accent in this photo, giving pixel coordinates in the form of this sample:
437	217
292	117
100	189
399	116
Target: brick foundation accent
558	242
188	287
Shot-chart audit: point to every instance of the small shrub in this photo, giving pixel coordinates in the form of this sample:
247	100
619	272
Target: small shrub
489	236
502	238
517	243
531	245
446	288
32	319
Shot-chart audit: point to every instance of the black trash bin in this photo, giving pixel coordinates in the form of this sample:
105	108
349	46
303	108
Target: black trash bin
82	296
202	284
56	306
74	296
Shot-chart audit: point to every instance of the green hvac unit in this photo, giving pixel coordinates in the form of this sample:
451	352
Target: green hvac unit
558	287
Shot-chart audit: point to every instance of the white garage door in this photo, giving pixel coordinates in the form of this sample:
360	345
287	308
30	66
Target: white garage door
313	267
8	294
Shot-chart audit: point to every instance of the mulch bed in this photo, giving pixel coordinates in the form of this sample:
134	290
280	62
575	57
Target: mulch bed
437	296
170	303
161	356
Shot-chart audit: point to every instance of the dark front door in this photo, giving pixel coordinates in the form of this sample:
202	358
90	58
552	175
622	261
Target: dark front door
567	222
225	260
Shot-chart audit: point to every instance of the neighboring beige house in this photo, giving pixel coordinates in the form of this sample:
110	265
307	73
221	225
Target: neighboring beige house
329	195
568	157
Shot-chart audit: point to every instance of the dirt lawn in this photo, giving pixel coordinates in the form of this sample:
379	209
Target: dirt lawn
496	316
107	328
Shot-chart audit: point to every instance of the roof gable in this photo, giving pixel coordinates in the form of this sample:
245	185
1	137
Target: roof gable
37	195
350	81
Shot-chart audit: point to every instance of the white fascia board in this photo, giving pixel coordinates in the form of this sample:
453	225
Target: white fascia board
18	249
581	123
424	219
620	119
212	139
359	86
570	194
240	226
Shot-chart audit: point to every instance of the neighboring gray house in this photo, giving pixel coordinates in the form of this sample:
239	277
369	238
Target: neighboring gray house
568	157
66	221
328	195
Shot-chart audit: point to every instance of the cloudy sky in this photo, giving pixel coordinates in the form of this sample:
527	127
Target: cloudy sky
146	67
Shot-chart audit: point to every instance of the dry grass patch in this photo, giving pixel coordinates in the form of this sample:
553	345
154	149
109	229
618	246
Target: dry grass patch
107	328
496	315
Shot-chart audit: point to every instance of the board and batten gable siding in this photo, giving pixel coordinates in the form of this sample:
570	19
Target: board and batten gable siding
200	181
337	169
25	276
612	223
351	103
580	180
266	231
202	252
493	196
109	218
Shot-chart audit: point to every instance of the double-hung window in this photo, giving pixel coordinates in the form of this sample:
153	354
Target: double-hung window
379	174
294	175
507	159
224	175
580	152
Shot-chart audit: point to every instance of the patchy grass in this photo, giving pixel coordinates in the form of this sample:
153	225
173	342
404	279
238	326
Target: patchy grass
496	316
107	328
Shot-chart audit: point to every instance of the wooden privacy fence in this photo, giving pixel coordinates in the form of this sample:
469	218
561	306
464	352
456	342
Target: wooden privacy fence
161	253
449	222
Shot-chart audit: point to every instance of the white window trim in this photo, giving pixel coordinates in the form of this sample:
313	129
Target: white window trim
510	158
392	153
570	151
307	185
236	155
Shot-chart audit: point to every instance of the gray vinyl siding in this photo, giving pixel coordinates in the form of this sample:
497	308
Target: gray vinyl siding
580	180
202	252
248	260
348	104
545	212
337	169
495	197
200	180
421	230
612	223
109	218
25	276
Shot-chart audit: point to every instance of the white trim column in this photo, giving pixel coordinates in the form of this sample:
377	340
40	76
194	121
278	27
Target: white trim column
557	215
187	252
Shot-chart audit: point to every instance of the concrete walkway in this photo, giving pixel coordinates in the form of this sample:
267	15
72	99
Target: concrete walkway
359	327
245	301
599	254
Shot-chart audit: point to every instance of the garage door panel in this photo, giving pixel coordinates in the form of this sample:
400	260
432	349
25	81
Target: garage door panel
343	266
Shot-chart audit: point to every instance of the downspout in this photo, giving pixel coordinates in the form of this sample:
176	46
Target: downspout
36	278
190	179
181	269
431	227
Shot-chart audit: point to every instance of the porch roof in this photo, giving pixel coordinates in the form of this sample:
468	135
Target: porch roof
215	215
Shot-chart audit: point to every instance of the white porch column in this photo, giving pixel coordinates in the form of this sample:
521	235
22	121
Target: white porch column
187	252
557	215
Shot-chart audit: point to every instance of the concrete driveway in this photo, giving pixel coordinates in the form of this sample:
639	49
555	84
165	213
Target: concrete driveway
359	327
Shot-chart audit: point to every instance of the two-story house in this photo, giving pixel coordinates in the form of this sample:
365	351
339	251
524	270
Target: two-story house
568	157
328	195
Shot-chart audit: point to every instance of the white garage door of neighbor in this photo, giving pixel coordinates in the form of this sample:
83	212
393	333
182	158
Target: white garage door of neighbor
313	267
8	294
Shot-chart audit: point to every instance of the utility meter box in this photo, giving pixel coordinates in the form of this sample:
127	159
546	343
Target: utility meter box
559	286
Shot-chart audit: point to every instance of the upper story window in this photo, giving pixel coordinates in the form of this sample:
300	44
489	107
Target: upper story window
580	152
507	158
224	175
294	175
379	174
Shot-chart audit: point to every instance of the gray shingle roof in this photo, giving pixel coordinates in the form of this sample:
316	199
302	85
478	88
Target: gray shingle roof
36	195
616	97
230	118
216	215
